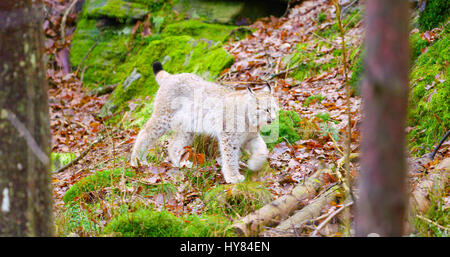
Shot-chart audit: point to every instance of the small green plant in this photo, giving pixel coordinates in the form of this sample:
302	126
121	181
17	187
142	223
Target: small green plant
324	116
58	160
328	129
321	17
313	99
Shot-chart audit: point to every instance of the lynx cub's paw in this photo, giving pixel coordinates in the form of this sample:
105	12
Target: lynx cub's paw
234	179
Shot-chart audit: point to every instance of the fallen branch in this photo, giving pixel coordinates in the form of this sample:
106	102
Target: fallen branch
308	212
276	211
433	223
330	216
439	145
84	153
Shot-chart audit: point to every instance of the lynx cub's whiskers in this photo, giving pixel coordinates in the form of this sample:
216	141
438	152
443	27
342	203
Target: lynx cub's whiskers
189	105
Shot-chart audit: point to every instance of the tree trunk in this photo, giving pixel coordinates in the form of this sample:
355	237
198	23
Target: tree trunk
25	189
382	199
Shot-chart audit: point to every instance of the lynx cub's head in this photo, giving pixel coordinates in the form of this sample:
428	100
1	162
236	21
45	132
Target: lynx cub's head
263	107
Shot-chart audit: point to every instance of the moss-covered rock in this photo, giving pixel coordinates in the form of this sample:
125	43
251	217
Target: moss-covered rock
98	52
120	9
429	112
435	12
199	30
178	54
241	198
95	182
230	11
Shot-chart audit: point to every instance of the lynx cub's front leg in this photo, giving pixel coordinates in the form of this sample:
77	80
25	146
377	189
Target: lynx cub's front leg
176	147
229	148
257	148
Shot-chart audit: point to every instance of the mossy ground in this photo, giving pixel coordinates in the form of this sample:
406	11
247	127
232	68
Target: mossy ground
429	110
240	199
435	13
313	58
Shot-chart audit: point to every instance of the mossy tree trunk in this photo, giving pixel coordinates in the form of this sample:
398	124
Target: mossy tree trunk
25	189
382	198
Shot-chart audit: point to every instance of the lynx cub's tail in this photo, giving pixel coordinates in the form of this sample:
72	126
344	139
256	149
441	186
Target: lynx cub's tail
157	67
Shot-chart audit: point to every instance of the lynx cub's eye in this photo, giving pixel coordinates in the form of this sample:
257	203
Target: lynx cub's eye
267	110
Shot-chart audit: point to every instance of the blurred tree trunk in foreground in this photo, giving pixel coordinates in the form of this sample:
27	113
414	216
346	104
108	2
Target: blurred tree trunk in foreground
383	197
25	189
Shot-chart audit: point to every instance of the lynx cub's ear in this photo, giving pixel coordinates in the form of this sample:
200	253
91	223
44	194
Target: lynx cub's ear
251	91
267	88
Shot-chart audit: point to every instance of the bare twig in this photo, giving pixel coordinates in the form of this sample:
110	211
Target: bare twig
84	153
332	215
85	56
433	223
64	18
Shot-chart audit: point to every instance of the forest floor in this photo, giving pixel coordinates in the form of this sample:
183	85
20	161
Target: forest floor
320	99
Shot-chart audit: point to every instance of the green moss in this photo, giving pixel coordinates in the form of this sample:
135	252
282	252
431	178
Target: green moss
145	223
198	30
58	160
416	44
357	72
149	223
95	182
436	12
102	52
119	9
178	54
429	112
241	198
208	226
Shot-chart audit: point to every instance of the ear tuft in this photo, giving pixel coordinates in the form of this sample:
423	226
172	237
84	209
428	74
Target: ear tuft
267	88
157	67
250	90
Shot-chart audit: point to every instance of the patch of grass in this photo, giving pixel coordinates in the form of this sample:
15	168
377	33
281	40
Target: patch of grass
241	198
437	213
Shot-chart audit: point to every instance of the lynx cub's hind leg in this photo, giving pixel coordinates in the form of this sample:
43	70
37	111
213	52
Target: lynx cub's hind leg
257	148
229	149
176	147
153	129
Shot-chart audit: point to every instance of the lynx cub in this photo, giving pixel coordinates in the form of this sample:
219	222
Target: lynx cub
187	104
